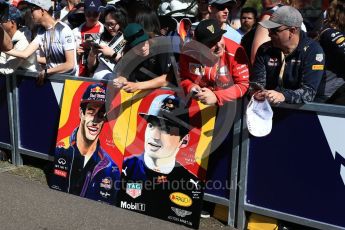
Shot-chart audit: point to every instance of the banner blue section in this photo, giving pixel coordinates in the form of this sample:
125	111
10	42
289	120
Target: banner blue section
293	171
218	170
4	119
38	116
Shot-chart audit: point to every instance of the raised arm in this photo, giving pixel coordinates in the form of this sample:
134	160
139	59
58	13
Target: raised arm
32	47
6	42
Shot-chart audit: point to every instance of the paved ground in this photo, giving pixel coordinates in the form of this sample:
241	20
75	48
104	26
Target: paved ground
27	203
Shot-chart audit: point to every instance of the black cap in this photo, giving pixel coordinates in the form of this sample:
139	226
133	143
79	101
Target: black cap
208	31
170	109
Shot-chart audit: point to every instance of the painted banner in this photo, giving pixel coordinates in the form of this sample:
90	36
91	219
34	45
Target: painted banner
165	161
87	159
145	151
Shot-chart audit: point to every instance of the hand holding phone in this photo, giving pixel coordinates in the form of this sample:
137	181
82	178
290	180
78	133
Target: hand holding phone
256	86
96	45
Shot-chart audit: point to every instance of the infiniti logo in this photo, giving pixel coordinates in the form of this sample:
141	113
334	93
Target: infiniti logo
62	161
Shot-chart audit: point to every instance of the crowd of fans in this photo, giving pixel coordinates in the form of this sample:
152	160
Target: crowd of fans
215	62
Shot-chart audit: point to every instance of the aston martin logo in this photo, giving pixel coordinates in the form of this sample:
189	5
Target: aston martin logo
211	29
181	212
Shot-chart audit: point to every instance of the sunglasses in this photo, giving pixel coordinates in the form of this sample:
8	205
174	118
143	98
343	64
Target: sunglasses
222	7
110	24
277	30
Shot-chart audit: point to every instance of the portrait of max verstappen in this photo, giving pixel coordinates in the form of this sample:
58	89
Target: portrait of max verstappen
153	182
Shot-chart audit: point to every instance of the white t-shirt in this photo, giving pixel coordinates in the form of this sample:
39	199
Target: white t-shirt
8	64
54	42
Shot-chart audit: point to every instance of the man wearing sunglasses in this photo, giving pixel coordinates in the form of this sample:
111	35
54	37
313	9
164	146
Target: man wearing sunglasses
220	11
83	168
290	67
90	29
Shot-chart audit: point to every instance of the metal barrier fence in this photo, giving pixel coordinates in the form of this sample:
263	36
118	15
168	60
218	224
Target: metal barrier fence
297	173
33	118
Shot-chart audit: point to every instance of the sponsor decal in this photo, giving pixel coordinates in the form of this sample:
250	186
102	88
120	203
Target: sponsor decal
223	70
60	173
55	187
134	189
62	161
124	171
211	29
317	67
196	183
319	57
273	62
340	40
104	194
98	90
60	144
180	212
181	199
133	206
196	69
106	183
174	218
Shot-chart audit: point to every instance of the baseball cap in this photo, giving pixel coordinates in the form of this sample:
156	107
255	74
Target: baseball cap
284	15
134	34
208	31
44	4
169	108
12	14
92	5
259	117
94	93
220	2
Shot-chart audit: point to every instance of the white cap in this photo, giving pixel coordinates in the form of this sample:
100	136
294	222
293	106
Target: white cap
259	117
44	4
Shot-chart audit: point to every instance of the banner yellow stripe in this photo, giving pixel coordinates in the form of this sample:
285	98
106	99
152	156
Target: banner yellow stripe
208	116
70	88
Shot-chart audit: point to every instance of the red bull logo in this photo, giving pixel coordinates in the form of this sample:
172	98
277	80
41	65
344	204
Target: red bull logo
106	183
98	89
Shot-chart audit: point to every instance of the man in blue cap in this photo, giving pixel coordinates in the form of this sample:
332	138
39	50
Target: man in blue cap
84	168
5	40
11	22
153	178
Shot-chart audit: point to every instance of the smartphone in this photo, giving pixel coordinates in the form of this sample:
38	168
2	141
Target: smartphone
256	86
96	45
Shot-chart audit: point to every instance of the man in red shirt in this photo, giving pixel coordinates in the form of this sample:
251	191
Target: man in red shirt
219	75
90	30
